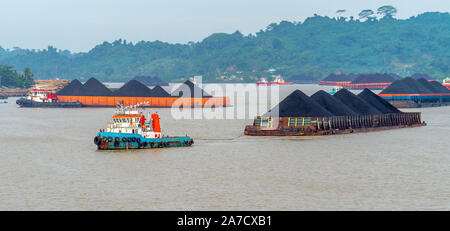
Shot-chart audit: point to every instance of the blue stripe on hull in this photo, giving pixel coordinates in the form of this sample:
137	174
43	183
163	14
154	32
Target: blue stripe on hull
145	143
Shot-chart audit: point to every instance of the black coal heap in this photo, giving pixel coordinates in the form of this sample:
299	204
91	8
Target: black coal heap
133	88
190	90
374	78
377	102
355	103
439	87
159	92
406	86
93	87
297	104
332	104
340	77
151	81
421	76
433	86
72	89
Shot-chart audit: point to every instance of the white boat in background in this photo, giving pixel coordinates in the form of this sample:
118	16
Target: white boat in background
446	83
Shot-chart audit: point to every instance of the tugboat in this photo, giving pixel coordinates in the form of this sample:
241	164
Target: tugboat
39	97
262	81
278	80
129	130
335	89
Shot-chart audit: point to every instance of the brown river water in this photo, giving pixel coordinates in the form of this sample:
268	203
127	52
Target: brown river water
48	161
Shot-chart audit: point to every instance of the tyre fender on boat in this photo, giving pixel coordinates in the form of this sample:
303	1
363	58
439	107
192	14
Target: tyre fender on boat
97	140
124	139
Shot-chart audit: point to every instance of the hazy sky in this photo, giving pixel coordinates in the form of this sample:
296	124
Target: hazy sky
79	25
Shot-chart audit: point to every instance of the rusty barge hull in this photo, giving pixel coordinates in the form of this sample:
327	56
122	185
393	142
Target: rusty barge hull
321	126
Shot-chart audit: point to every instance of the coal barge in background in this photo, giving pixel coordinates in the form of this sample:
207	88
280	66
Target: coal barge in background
415	93
323	114
94	94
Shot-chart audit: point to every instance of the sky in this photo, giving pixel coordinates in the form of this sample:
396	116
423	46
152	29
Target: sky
79	25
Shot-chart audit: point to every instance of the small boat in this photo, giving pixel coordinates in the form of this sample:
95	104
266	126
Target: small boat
335	89
130	129
39	97
262	81
446	83
278	80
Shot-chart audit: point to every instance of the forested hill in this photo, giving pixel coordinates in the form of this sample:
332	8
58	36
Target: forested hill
317	47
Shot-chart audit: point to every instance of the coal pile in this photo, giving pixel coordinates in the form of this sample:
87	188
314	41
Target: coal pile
340	77
395	76
133	88
159	92
297	104
373	78
190	90
421	76
303	79
72	89
433	87
332	104
151	81
355	103
406	86
439	87
93	87
377	102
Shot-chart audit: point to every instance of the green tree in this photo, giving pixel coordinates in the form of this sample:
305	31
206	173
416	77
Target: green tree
387	11
10	78
340	13
366	14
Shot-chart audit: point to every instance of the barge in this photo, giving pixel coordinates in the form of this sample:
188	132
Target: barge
412	93
95	94
130	130
309	126
323	114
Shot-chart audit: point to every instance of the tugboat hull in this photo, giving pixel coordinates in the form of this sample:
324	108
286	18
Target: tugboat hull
22	102
124	141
